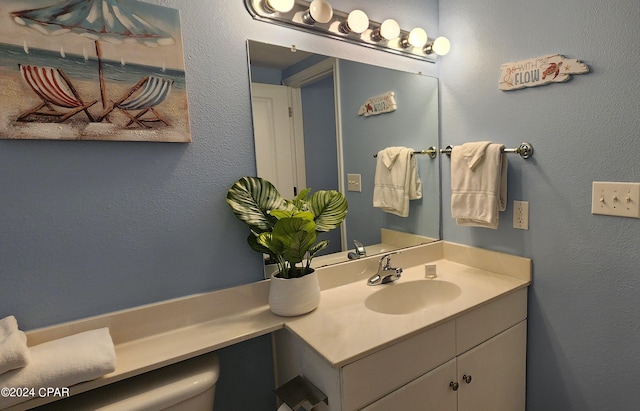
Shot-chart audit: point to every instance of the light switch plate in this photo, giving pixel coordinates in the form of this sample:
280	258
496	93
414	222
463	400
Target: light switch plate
616	199
354	182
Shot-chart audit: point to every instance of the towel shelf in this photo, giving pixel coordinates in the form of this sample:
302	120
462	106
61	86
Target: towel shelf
431	151
525	150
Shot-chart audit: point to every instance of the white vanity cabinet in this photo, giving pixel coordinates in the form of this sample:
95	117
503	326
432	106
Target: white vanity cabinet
474	362
489	377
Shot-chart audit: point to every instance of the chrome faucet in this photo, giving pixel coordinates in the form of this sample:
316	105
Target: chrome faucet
359	251
386	273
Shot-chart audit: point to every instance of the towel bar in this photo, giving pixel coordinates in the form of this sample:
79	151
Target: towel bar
525	150
431	151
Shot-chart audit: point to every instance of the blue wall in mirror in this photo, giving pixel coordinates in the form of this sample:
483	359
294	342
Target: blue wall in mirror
362	137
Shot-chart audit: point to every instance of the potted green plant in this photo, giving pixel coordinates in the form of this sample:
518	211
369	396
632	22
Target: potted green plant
287	230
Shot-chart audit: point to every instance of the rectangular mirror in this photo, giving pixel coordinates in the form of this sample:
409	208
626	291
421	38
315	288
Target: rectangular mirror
309	133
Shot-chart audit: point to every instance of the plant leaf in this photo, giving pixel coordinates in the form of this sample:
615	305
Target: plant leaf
330	208
296	235
303	194
271	243
257	246
318	247
251	198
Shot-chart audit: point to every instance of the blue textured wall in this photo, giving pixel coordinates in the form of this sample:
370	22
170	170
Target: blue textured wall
583	351
92	227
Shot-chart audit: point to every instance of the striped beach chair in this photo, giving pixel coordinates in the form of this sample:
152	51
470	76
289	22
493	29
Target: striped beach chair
143	98
56	91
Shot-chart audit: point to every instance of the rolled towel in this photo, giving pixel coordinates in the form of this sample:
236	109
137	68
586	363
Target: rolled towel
14	352
62	363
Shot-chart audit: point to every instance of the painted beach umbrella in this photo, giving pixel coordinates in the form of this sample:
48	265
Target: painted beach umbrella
97	20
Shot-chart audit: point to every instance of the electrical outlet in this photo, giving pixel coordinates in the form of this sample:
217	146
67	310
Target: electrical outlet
354	182
521	215
617	199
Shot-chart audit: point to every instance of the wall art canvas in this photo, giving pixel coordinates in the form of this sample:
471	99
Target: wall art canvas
92	70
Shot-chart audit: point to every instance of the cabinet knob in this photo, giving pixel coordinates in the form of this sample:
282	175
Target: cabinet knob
454	385
467	378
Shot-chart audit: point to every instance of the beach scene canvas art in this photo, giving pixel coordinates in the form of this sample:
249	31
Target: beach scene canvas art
92	70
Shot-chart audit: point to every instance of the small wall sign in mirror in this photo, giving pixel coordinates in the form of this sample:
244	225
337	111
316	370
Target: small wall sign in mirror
539	71
384	103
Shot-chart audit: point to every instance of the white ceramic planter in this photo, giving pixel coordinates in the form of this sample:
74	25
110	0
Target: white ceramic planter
294	296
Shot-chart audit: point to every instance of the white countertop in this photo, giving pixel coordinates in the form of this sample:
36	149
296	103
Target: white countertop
341	329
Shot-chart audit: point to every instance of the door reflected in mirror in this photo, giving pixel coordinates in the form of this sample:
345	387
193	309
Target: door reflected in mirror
308	133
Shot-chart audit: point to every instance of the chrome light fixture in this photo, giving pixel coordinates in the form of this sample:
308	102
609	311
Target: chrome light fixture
319	17
357	22
440	46
320	11
417	37
388	30
280	6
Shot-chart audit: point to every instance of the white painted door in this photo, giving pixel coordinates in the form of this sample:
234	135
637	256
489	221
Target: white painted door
275	141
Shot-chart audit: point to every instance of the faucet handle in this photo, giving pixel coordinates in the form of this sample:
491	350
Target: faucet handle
387	256
359	251
391	253
383	275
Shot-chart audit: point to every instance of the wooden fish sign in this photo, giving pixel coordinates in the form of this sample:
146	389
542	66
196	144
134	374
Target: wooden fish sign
539	71
384	103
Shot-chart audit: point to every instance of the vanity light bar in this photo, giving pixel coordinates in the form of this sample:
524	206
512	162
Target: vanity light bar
320	18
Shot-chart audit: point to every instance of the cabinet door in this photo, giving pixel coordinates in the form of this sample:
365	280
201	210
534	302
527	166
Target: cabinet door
431	392
495	373
376	375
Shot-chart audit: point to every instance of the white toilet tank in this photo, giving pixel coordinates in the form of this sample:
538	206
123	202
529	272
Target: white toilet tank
185	386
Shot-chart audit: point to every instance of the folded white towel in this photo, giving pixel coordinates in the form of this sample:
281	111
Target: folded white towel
396	180
62	363
478	184
14	352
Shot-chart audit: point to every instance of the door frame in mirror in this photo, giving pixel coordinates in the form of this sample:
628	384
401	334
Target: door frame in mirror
318	71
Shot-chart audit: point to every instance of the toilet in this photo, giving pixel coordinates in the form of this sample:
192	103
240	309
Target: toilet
185	386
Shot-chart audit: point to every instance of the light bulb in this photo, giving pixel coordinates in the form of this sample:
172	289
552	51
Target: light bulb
417	38
357	22
388	30
282	6
320	11
441	46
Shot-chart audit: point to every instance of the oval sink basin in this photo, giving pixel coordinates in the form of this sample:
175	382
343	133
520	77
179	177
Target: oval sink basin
411	296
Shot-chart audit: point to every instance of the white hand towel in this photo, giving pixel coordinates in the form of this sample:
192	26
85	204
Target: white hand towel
396	180
474	152
62	363
389	155
478	192
14	352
